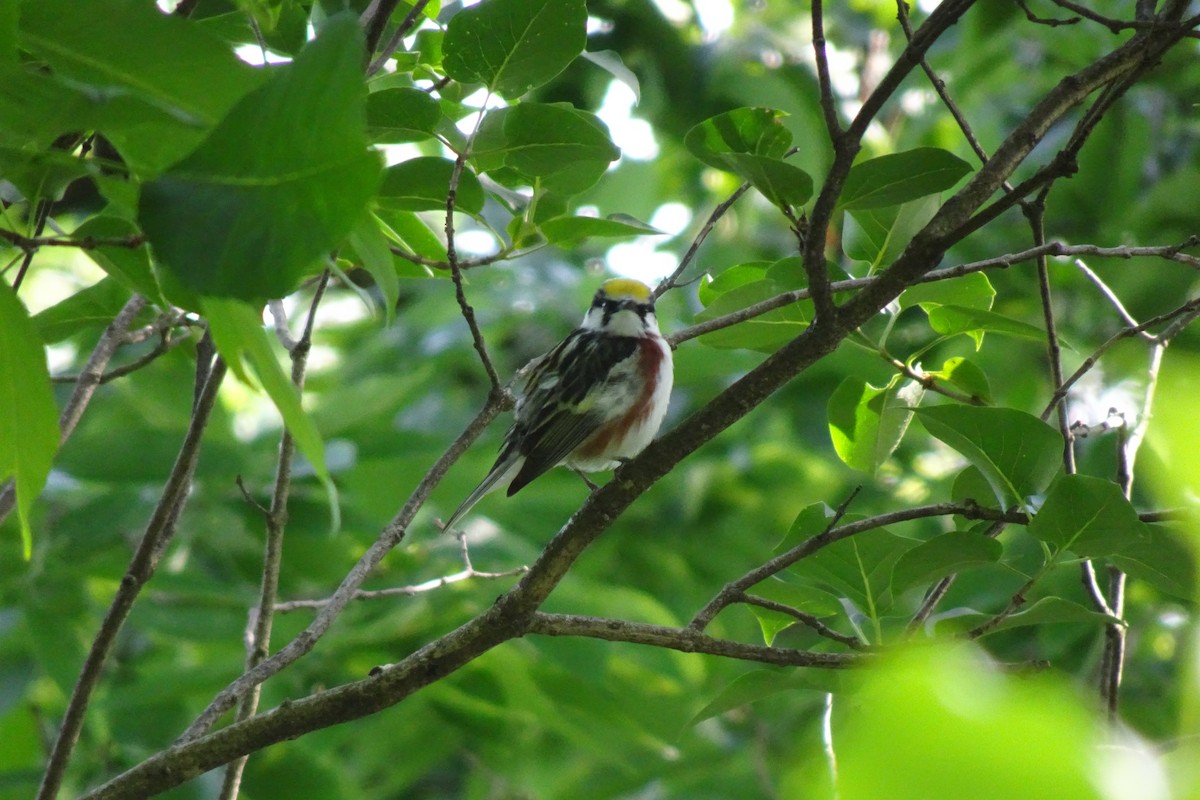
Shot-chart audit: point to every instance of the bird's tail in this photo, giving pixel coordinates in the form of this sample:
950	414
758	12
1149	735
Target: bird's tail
501	473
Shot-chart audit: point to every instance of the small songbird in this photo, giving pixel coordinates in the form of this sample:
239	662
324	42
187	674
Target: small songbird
595	400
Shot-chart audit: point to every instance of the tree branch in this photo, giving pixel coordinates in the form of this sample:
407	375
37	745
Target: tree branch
159	531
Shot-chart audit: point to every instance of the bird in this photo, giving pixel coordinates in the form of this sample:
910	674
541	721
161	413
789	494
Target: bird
591	403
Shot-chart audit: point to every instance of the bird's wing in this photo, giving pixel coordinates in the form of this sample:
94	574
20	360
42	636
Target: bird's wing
558	412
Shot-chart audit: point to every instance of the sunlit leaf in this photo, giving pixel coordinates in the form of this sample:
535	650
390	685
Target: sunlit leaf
898	178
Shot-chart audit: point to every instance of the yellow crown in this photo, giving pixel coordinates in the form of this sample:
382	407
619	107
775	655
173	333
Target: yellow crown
626	287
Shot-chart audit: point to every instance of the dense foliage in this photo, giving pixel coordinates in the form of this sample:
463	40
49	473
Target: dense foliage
921	266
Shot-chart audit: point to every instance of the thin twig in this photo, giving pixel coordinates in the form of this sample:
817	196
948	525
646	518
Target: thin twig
388	538
1110	296
159	531
685	640
824	84
164	346
133	241
722	208
397	37
1057	249
808	620
258	631
405	591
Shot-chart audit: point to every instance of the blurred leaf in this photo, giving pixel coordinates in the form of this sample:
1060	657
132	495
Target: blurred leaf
422	184
555	145
1024	736
407	229
401	115
569	229
1017	452
28	416
1088	516
898	178
511	46
867	422
944	555
277	184
237	330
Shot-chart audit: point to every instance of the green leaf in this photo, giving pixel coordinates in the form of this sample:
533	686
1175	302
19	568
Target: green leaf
237	331
554	144
1164	559
858	568
1088	516
751	142
1017	452
28	416
766	332
965	375
401	115
1023	736
973	291
867	422
277	184
408	230
572	229
422	184
511	46
369	241
739	275
754	131
877	235
898	178
128	265
170	79
88	309
944	555
950	319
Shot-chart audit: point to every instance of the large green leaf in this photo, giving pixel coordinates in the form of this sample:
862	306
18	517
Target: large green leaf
128	265
158	81
277	184
1017	452
1088	516
973	291
238	332
867	422
571	229
898	178
28	416
92	308
511	46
